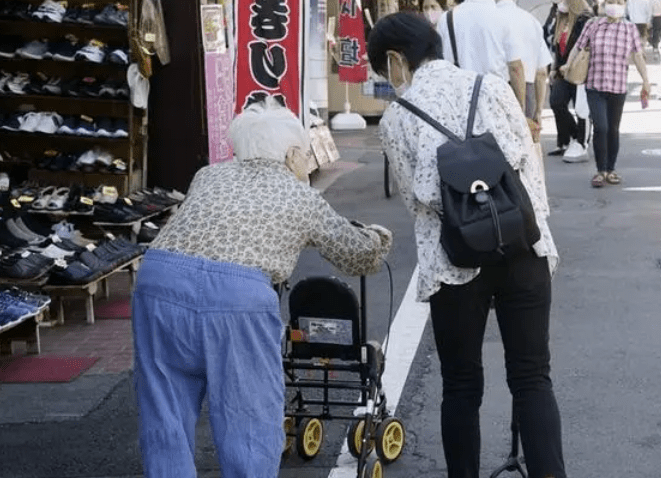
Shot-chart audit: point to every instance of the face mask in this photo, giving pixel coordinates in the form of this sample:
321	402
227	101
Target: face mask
433	16
562	7
401	89
614	10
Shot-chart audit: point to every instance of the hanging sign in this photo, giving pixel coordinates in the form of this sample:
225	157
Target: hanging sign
352	50
219	81
269	52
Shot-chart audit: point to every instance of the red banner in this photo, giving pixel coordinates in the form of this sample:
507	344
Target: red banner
353	52
269	52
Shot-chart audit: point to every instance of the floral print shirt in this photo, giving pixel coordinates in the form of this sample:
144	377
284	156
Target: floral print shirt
444	92
256	213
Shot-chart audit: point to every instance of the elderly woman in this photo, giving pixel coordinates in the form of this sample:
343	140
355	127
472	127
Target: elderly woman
206	317
406	50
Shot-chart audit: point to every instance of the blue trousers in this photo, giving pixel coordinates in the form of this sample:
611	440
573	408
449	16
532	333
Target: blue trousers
606	111
201	328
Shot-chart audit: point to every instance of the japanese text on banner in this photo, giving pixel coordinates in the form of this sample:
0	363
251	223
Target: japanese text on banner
352	54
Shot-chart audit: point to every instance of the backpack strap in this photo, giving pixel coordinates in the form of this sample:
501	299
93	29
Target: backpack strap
453	39
473	107
418	112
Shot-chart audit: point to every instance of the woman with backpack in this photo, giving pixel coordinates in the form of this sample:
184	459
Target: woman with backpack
405	49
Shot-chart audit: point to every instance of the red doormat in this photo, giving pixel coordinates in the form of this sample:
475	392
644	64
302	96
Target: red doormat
116	309
25	369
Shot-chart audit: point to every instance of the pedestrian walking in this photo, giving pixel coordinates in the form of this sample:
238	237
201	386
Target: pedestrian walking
571	140
613	42
640	13
483	43
405	50
206	317
549	25
432	10
656	25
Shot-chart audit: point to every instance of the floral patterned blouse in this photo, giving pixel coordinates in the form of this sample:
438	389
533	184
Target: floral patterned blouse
444	92
257	214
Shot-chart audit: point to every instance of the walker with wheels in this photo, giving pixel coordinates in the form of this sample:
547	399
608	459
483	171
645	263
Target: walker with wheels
325	354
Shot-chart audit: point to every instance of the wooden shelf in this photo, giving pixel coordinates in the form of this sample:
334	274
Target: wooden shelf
65	69
36	30
37	143
66	105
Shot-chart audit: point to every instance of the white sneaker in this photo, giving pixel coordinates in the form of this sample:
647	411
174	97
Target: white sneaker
49	123
575	153
30	121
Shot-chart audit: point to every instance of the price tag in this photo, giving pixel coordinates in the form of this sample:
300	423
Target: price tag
150	37
90	247
25	199
109	191
110	236
86	201
25	254
15	203
86	118
150	225
128	201
61	263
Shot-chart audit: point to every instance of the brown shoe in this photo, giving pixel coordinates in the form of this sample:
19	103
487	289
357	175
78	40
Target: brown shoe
598	180
613	178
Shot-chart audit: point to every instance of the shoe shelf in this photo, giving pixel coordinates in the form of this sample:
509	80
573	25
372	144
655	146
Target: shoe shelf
132	150
66	105
25	329
88	290
31	29
133	227
64	68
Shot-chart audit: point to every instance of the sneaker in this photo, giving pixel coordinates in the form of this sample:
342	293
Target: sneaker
65	51
559	151
36	84
86	126
111	15
53	86
69	125
8	47
71	16
50	11
89	87
575	153
93	52
4	79
13	123
121	128
35	50
18	83
49	123
87	160
86	15
30	121
119	56
71	87
4	182
108	89
104	128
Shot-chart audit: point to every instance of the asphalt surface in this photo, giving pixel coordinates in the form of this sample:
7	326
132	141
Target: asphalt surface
605	338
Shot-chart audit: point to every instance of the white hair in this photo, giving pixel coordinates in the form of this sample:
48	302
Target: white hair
267	130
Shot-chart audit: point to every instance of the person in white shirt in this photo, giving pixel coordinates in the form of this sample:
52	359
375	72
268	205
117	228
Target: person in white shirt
484	44
527	30
640	13
405	49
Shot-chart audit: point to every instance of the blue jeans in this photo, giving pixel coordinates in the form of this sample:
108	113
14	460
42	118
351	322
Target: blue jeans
521	288
207	328
606	112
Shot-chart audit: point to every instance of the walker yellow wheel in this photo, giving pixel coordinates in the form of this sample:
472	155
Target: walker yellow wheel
372	469
355	438
390	439
288	426
309	437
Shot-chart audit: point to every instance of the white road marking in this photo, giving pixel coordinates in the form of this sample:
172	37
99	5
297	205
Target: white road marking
406	332
647	188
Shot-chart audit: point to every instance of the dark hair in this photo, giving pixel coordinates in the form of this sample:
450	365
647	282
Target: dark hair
407	33
441	3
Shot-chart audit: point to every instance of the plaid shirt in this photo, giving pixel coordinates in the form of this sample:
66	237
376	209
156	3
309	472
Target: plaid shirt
611	44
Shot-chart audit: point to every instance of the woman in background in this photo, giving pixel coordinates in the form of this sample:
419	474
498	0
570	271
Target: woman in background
572	16
433	9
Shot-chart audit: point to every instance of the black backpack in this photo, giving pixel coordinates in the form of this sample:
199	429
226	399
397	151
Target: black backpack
487	213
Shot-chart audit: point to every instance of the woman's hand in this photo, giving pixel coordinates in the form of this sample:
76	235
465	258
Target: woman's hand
563	69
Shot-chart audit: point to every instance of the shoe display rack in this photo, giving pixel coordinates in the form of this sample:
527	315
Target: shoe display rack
26	151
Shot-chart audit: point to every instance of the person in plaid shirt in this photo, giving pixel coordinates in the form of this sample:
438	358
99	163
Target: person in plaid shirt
612	42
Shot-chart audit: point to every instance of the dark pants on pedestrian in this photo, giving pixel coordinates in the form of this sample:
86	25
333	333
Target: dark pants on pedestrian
642	32
562	92
656	31
606	113
521	288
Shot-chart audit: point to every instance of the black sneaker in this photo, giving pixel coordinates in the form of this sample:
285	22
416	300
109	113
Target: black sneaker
22	11
71	16
13	123
108	89
36	84
71	87
8	47
69	125
119	56
104	127
86	16
64	51
90	87
53	86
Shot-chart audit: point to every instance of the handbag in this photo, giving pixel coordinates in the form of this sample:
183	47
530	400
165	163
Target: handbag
577	70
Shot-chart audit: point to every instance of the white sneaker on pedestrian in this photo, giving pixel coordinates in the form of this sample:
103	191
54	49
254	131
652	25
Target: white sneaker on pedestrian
575	153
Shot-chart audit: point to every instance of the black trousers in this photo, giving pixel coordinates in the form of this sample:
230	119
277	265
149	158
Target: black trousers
562	92
656	31
522	291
